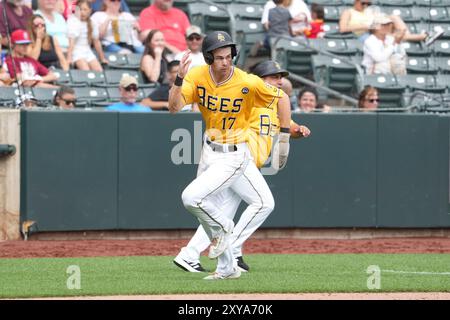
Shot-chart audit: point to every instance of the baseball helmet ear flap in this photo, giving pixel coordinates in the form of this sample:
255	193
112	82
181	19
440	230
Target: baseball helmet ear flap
215	40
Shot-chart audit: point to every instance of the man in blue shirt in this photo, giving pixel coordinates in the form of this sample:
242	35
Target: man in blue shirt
128	88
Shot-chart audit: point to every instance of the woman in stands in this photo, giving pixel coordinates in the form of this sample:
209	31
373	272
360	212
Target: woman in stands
118	30
81	36
55	24
359	18
308	101
154	60
368	99
45	48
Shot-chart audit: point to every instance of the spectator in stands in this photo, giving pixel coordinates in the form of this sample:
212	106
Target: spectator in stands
172	22
368	99
380	46
194	39
117	29
308	101
360	17
30	72
159	99
17	14
154	60
98	4
65	98
26	100
128	88
44	47
81	36
298	9
55	23
313	29
65	8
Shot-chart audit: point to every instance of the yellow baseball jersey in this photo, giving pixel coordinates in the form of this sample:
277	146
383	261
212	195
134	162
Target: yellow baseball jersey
264	124
226	106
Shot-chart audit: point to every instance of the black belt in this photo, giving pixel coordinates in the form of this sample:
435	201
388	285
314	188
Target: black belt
217	147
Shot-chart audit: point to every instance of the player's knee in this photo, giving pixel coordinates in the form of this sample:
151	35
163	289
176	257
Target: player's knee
189	198
269	204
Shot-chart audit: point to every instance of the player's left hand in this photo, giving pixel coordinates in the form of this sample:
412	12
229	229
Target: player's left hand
297	131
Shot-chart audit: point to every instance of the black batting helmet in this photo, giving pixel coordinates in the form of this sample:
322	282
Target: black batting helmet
268	68
215	40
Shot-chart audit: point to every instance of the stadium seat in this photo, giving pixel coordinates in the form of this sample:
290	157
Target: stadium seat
326	2
116	60
421	65
390	91
443	63
397	3
422	82
332	13
86	78
148	90
441	48
90	95
434	3
136	6
8	95
113	76
415	49
63	77
406	13
243	11
331	30
247	34
433	14
208	17
432	27
335	74
295	57
182	5
335	46
262	2
44	95
134	60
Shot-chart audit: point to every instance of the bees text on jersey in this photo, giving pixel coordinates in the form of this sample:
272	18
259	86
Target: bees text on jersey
226	106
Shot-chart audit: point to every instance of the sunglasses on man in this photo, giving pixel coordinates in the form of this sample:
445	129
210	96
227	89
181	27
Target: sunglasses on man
131	87
366	3
192	38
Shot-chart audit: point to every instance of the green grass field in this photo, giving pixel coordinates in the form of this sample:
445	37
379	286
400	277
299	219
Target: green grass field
42	277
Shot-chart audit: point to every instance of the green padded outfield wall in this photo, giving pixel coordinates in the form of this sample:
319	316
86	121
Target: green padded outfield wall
96	170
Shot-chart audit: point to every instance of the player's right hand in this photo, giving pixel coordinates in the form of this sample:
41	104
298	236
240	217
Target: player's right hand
184	64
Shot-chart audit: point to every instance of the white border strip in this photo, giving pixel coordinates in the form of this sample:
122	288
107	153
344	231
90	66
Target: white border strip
418	272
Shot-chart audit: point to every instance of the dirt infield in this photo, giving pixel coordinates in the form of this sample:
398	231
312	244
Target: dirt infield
97	248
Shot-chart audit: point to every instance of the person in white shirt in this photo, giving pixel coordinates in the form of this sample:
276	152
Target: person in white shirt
118	30
298	9
194	39
380	46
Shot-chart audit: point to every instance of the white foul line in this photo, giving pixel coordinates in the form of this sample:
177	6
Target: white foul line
418	272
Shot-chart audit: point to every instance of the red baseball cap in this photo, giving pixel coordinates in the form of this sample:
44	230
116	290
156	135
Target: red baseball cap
20	37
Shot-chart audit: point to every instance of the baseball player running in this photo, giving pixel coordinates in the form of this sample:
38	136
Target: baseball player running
264	125
226	96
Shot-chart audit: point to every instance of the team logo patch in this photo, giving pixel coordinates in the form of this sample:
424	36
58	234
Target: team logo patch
220	37
277	65
245	90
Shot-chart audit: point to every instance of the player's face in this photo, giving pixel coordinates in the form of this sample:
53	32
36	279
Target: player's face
308	102
274	79
222	60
